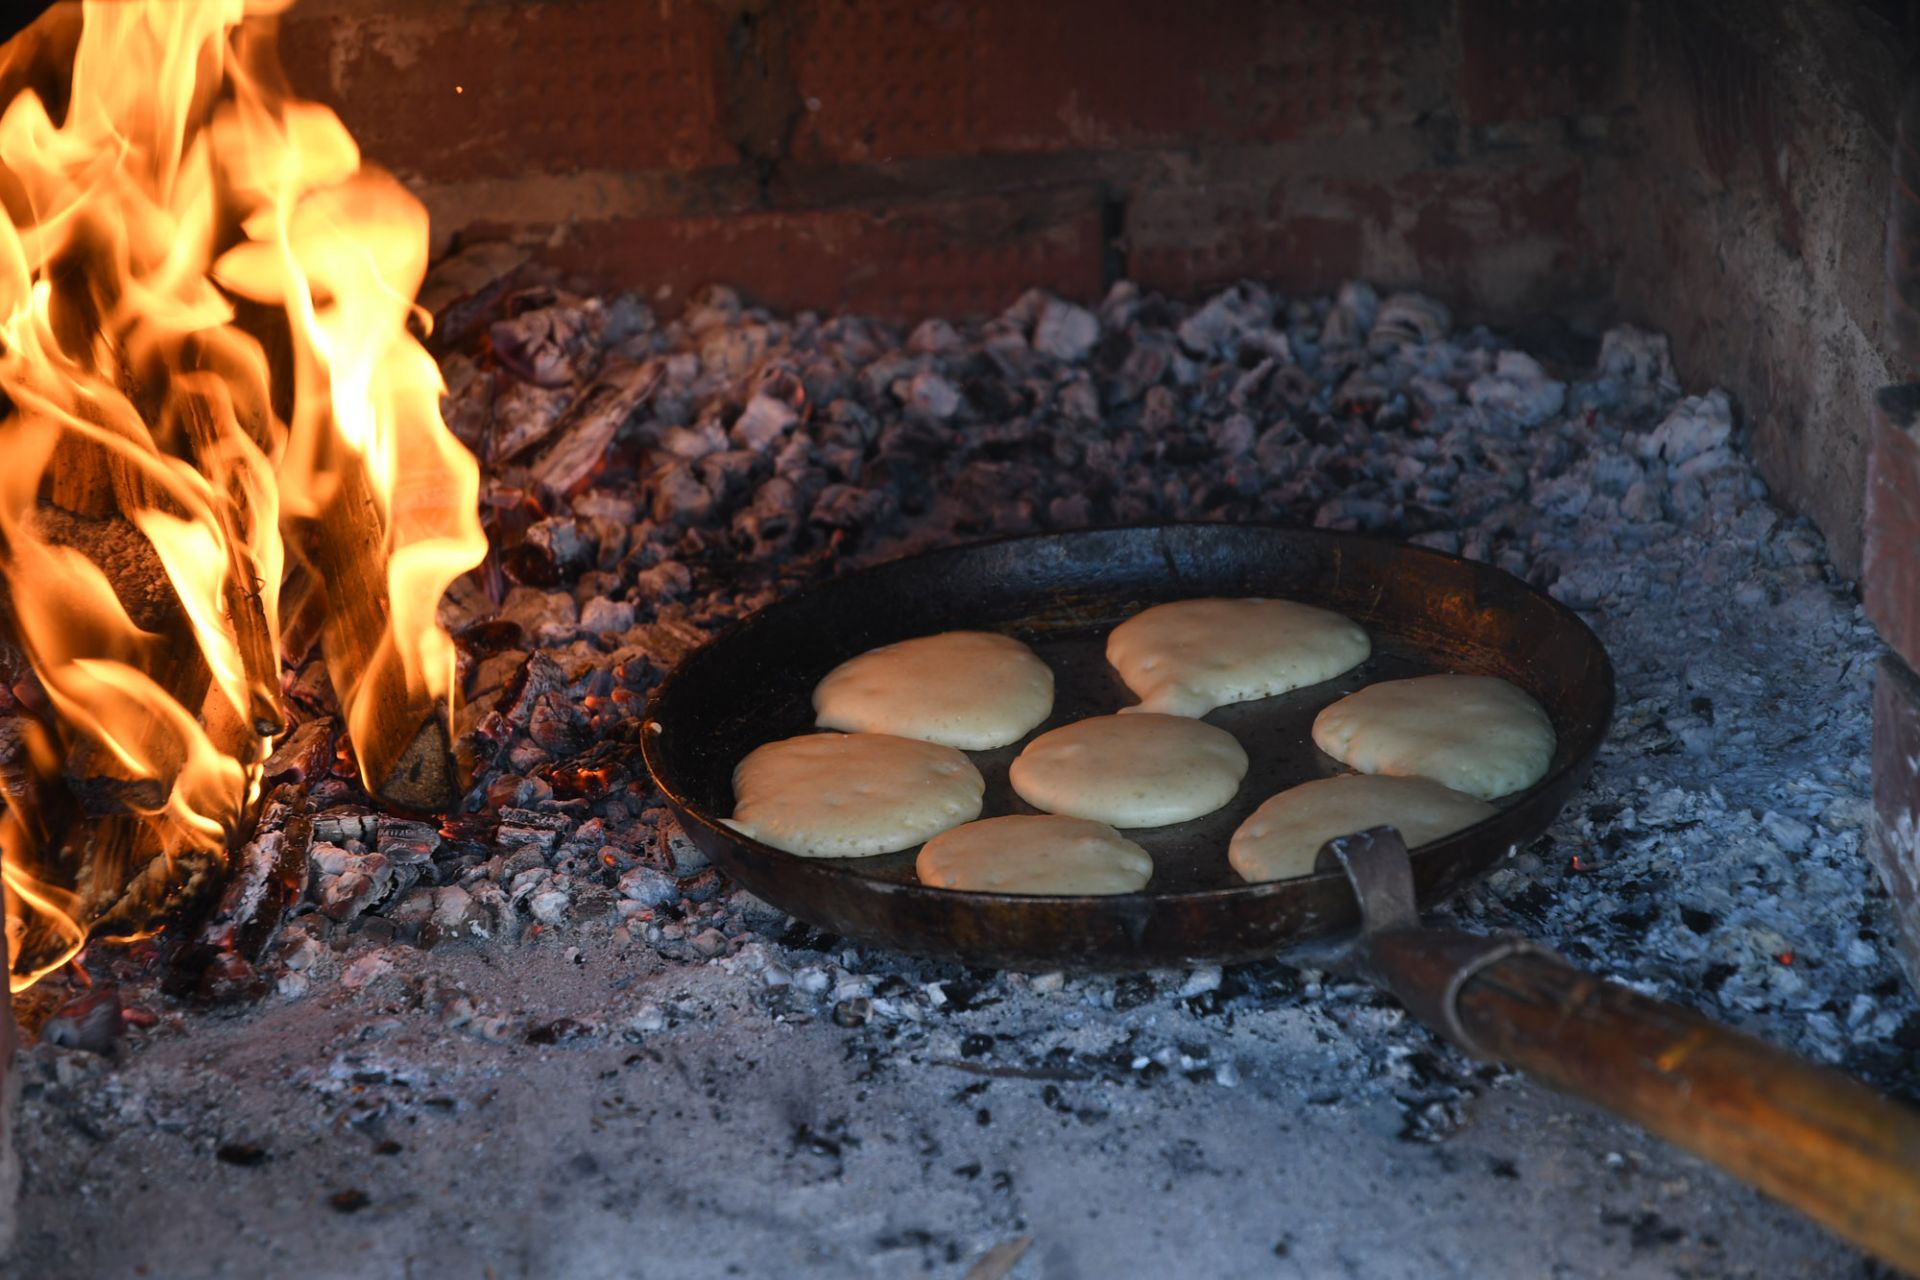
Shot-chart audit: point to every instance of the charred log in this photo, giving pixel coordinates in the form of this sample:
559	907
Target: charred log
581	439
102	780
399	734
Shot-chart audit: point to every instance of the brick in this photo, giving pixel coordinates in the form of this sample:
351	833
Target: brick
447	91
1532	59
1493	231
1300	254
1890	565
958	256
899	79
1484	237
1895	841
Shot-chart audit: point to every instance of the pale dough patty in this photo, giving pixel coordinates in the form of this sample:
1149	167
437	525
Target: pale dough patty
848	795
1029	853
969	689
1140	770
1281	838
1476	734
1190	656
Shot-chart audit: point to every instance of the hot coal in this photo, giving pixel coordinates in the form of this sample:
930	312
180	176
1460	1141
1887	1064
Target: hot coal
1714	859
1720	834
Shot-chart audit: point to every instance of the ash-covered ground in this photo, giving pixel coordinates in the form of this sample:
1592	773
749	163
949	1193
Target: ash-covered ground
546	1039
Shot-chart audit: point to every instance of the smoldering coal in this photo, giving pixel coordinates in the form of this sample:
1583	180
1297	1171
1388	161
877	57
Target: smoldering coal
1714	859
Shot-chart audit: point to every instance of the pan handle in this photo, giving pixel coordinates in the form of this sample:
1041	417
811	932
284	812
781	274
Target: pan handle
1810	1136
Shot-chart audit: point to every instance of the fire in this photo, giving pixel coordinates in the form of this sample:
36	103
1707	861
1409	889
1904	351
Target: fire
205	299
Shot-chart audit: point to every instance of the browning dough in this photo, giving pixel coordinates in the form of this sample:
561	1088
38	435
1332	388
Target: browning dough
1190	656
969	689
848	795
1476	734
1140	770
1281	838
1026	853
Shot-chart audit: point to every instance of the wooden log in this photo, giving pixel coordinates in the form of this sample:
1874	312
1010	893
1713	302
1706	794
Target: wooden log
400	736
339	580
90	490
85	476
137	871
267	877
124	555
1807	1135
118	871
303	756
303	614
166	885
87	819
245	601
24	741
463	291
580	440
103	782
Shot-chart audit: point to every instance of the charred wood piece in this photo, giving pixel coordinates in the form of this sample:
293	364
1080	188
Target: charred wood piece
399	733
583	435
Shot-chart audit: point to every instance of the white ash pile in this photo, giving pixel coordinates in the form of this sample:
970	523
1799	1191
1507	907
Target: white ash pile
555	977
649	483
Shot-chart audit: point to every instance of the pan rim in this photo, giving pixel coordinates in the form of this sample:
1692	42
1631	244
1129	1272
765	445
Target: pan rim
1578	762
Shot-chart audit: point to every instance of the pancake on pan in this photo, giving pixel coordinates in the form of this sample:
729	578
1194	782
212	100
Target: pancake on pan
1281	838
1477	734
969	689
1139	770
850	795
1190	656
1037	854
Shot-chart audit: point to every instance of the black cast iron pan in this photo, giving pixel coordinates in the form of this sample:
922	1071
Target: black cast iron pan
1062	593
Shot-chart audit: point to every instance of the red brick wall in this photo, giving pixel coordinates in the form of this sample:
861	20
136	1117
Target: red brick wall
1745	204
1714	168
940	155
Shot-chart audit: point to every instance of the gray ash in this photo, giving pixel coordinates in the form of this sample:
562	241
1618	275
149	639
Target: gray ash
1714	859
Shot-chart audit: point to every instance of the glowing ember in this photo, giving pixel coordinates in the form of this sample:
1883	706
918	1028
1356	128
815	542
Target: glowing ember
176	220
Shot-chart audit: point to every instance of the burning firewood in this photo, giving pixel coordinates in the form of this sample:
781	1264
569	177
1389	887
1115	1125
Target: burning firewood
265	880
208	375
399	734
243	593
139	775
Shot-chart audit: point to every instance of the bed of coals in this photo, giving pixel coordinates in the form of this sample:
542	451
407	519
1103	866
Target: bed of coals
1716	855
648	483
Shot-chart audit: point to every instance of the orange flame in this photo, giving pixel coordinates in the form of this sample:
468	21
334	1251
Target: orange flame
183	192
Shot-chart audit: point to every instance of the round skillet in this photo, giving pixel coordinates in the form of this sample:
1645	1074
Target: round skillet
1061	593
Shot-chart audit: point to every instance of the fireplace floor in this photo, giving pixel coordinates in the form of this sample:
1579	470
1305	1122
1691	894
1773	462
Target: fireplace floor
560	1045
729	1143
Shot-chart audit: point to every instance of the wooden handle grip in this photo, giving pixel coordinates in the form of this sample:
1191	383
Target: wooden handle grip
1807	1135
